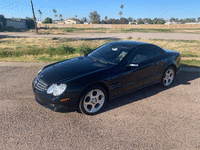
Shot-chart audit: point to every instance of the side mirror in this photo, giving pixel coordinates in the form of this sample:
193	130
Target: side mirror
128	66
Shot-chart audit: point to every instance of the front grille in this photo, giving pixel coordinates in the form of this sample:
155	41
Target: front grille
40	85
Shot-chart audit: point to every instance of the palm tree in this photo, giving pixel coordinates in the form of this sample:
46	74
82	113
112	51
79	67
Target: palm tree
56	16
60	16
55	13
120	13
40	14
106	18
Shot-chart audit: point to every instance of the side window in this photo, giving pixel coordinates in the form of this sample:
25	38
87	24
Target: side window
139	56
155	51
144	53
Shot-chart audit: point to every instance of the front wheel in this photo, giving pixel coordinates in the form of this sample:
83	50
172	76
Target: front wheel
93	100
168	77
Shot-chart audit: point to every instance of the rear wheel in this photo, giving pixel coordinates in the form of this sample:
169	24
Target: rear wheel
93	100
168	77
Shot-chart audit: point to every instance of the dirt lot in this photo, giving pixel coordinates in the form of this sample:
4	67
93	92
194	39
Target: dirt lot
135	35
151	118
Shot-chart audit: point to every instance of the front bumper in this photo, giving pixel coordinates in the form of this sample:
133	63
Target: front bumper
54	103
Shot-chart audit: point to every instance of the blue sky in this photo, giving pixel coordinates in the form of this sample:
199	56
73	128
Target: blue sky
82	8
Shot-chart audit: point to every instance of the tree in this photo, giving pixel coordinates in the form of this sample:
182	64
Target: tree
123	21
116	21
60	16
171	19
161	22
106	18
120	13
40	14
140	21
155	21
110	21
145	20
30	23
150	21
182	21
3	20
103	22
54	11
84	19
198	19
113	21
130	19
176	20
94	16
47	20
193	20
95	21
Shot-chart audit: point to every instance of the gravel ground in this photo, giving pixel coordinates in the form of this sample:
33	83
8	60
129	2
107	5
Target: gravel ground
151	118
135	35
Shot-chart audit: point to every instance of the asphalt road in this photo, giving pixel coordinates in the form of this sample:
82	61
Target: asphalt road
151	118
135	35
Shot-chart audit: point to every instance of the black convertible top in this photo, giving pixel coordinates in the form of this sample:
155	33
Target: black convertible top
128	43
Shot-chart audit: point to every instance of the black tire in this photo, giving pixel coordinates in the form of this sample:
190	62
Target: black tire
91	103
168	77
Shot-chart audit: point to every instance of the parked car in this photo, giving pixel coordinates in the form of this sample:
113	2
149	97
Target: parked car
87	82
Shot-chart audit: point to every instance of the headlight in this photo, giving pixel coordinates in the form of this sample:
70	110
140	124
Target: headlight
56	89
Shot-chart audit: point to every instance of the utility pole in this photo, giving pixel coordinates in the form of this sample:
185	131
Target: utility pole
36	30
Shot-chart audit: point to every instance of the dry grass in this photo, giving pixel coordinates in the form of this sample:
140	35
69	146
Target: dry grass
18	44
186	48
39	58
190	50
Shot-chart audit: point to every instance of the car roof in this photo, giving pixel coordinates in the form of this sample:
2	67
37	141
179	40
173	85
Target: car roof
127	43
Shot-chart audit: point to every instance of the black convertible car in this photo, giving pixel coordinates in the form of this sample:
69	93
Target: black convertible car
87	82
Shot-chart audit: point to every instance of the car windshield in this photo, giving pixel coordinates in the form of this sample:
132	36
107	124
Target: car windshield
110	53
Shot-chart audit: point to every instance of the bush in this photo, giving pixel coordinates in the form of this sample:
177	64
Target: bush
130	37
5	54
62	50
47	20
83	50
30	23
1	29
3	20
9	28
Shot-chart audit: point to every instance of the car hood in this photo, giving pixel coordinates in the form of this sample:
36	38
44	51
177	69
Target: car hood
69	69
170	51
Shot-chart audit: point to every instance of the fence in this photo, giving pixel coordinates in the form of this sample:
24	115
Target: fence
125	26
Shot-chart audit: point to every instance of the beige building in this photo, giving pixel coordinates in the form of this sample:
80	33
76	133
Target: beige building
71	21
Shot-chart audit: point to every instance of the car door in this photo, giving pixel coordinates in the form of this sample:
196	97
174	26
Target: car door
143	69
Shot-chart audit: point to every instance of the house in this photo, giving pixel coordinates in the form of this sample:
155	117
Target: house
71	21
86	22
173	22
16	23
